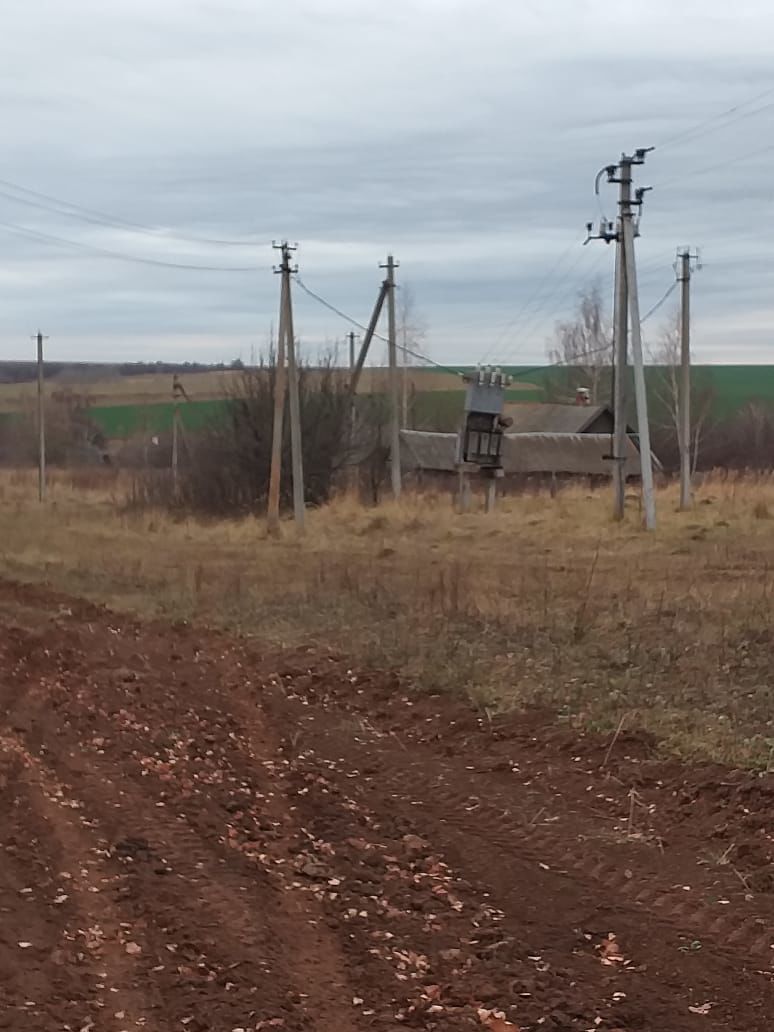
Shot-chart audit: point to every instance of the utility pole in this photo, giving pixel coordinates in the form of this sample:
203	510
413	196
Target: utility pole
640	392
394	379
620	358
275	473
178	393
624	233
369	336
357	368
684	258
287	330
296	448
39	338
351	337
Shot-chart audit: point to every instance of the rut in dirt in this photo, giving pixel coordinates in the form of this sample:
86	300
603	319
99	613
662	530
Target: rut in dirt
202	836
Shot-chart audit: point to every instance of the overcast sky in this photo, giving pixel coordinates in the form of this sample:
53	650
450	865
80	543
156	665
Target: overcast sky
461	136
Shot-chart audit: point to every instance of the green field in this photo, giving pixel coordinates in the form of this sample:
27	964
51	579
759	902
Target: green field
436	396
729	387
119	422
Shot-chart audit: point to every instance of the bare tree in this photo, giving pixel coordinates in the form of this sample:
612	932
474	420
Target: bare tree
412	330
584	345
665	355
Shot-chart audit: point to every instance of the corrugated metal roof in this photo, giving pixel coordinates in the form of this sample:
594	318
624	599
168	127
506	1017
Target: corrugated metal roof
522	453
542	418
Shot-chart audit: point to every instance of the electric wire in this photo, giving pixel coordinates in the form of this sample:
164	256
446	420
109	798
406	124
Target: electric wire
35	234
689	134
651	311
542	310
534	298
354	322
692	173
47	202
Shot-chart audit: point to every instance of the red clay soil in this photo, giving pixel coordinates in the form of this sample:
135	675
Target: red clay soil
199	837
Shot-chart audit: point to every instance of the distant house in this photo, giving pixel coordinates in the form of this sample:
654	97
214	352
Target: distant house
528	418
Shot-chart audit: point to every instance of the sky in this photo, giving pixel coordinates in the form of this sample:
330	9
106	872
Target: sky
461	136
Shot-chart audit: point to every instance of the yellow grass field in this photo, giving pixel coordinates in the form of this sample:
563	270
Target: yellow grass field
121	390
151	388
545	602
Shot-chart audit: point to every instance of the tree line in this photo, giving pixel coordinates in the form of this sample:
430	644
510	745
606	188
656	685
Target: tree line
582	351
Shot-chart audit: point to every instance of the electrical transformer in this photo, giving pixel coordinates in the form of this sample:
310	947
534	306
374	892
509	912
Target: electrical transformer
481	435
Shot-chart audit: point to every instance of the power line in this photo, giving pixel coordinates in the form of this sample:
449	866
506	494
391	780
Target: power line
354	322
720	164
333	308
90	248
519	371
533	297
658	304
707	123
46	202
535	319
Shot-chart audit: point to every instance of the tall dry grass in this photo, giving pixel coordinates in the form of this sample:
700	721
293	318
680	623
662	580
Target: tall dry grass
546	602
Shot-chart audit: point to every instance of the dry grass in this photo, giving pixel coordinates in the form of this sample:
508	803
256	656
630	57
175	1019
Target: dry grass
147	389
546	602
152	388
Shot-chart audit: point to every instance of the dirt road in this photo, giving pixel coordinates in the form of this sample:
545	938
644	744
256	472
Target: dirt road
203	838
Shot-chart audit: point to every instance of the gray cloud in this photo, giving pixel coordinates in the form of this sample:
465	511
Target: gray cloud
462	136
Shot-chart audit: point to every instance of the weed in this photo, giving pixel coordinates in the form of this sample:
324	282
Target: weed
544	602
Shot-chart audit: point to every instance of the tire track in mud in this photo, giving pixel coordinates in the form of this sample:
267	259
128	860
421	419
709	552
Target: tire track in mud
228	907
488	844
92	936
186	758
471	800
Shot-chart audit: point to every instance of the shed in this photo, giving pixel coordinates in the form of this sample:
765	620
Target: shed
580	454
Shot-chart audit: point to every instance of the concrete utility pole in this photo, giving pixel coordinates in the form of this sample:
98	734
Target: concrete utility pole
624	233
394	379
491	495
351	337
621	344
369	336
286	327
296	444
275	473
39	338
357	368
684	258
640	392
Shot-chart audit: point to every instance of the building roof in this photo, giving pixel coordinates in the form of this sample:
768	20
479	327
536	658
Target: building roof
539	418
577	453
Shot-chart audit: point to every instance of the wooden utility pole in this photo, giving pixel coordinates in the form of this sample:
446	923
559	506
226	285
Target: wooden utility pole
621	334
178	394
684	393
275	473
39	338
175	449
392	350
